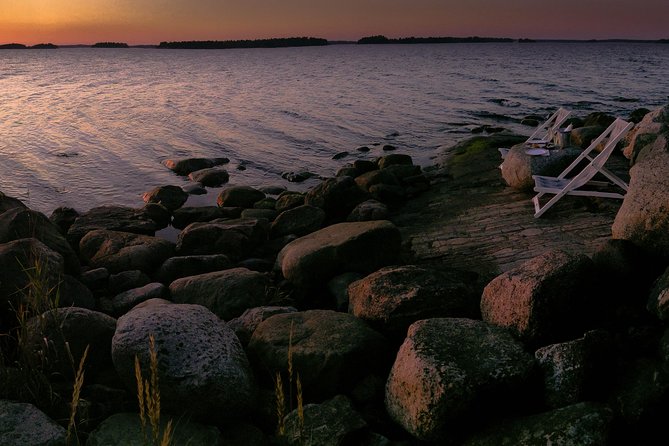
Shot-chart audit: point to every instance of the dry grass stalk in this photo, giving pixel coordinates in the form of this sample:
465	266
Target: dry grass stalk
280	405
76	392
148	396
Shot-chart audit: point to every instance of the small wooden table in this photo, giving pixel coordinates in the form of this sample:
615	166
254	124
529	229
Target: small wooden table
519	165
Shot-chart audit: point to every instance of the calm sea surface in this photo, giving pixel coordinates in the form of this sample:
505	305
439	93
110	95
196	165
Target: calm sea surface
86	127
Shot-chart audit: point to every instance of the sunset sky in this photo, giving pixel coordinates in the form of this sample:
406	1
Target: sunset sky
152	21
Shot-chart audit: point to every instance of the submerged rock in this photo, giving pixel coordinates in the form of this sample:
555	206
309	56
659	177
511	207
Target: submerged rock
172	197
188	165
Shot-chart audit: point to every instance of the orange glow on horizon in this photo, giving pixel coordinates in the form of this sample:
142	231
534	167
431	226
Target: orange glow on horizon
152	21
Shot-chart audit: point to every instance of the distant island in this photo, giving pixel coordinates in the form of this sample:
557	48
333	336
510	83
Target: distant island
258	43
110	45
20	46
413	40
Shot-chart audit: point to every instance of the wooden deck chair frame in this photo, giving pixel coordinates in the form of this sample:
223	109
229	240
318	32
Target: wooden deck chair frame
561	185
545	131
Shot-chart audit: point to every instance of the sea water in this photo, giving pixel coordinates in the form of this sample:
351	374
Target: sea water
84	127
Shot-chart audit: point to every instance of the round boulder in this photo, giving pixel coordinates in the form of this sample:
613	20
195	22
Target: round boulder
172	197
239	196
336	196
331	351
202	368
23	424
211	177
300	220
448	370
394	297
226	293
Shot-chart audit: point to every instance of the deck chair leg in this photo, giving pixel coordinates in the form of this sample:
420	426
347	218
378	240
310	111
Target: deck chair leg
539	210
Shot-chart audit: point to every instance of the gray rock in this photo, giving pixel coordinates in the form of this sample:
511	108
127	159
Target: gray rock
336	196
583	424
518	167
582	137
124	302
7	202
172	197
547	299
300	220
565	371
643	218
202	368
393	196
368	211
17	261
123	251
73	293
394	297
266	203
18	223
184	266
362	247
158	213
226	293
332	423
56	334
211	177
645	133
126	429
188	165
22	424
234	238
267	214
239	196
289	200
331	351
449	370
369	179
245	325
184	216
393	160
95	279
272	190
127	280
63	217
113	218
194	189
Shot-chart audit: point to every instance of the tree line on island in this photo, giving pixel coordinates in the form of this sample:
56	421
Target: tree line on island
303	41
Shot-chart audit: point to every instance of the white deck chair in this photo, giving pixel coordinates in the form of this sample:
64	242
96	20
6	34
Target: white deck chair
546	131
561	185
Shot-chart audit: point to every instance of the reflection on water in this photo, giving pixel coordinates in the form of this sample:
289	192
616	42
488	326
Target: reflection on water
84	127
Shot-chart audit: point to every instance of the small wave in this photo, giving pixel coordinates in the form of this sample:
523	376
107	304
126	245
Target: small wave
505	102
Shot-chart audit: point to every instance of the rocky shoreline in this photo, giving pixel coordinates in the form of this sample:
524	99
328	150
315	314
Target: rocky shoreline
393	343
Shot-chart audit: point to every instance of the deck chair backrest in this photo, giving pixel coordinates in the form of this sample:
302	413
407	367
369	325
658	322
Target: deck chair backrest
547	130
614	133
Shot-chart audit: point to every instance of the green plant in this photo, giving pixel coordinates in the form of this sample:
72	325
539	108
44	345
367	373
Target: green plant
148	397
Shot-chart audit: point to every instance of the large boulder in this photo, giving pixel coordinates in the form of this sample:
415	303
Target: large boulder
583	424
59	336
246	324
546	299
172	197
17	223
643	217
226	293
394	297
336	196
300	220
331	351
23	424
125	301
7	203
450	372
20	262
126	429
113	218
183	266
123	251
202	368
645	133
518	166
234	238
356	246
332	423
